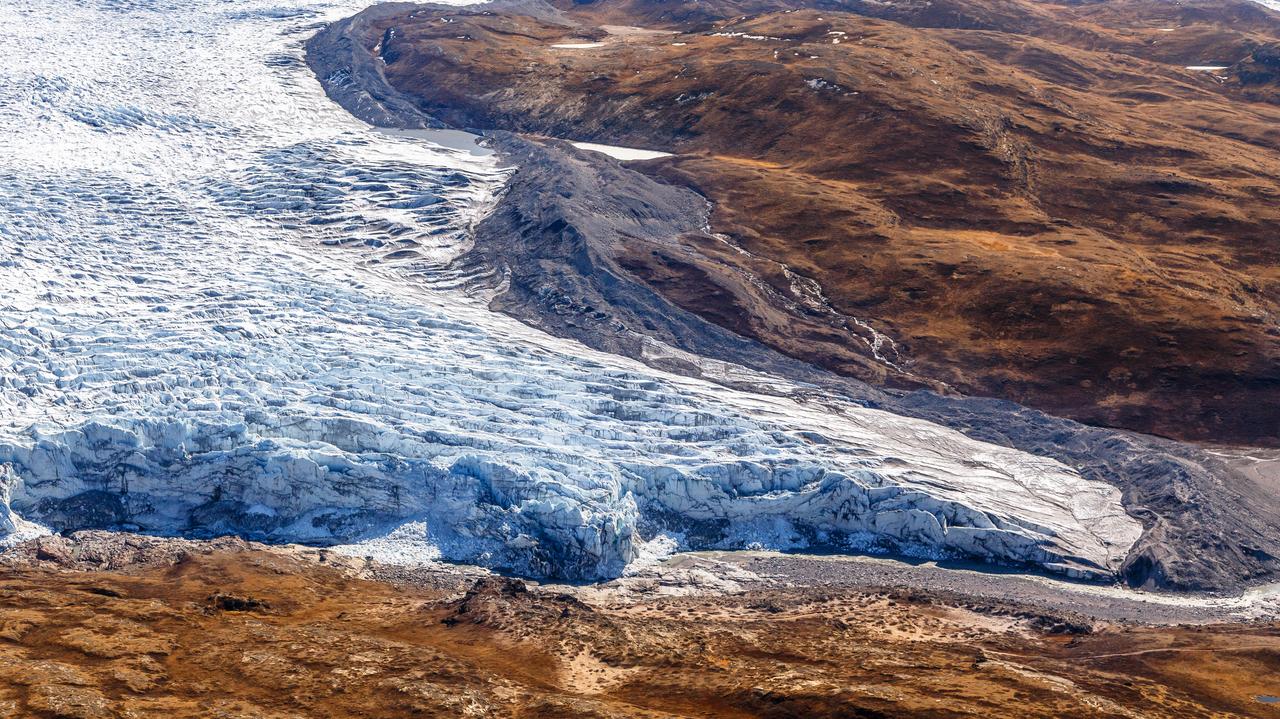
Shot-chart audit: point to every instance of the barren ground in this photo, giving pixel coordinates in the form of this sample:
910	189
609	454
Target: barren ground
184	629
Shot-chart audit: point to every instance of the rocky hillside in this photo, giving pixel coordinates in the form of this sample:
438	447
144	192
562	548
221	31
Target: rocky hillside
1019	199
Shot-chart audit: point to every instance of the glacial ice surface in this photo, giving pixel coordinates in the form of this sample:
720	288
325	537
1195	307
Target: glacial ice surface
228	307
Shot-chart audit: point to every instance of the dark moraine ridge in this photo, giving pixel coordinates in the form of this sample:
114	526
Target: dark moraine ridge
558	233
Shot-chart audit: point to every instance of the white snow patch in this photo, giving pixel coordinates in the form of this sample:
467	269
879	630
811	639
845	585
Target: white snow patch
621	153
817	83
744	36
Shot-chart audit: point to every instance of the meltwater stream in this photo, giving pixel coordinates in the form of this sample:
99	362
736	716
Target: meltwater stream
226	307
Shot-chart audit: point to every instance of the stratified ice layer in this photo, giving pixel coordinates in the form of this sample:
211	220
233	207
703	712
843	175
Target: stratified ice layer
227	308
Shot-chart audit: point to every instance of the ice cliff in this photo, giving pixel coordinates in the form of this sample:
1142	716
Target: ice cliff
549	501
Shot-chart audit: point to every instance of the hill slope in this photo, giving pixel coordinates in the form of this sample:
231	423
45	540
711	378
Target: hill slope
1015	199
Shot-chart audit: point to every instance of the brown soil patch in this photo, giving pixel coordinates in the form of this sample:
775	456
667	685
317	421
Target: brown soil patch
320	643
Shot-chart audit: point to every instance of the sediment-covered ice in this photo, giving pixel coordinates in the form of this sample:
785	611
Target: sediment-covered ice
227	307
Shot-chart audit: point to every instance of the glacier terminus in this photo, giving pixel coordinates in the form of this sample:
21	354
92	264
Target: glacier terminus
227	307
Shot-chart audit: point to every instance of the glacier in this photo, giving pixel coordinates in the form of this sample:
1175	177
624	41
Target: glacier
228	307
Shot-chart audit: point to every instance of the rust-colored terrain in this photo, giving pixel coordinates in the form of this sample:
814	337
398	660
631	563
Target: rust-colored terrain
230	631
1030	200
